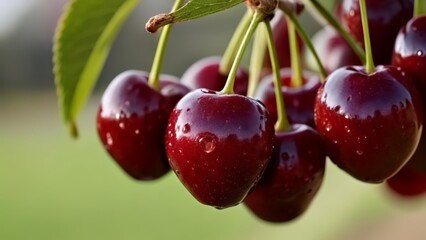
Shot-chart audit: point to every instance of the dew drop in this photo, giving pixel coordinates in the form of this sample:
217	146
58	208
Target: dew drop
359	152
177	172
419	53
122	125
110	142
336	108
137	131
186	128
328	127
208	143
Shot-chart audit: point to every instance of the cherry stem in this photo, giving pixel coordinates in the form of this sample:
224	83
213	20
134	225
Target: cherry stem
369	65
418	8
338	27
159	54
282	123
229	86
232	48
296	66
257	59
308	42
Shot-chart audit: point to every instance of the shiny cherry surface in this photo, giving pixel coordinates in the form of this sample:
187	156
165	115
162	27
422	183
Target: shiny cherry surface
292	178
219	145
132	121
371	123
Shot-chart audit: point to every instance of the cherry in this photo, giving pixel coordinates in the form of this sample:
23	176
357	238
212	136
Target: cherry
219	145
281	40
205	74
410	52
292	178
410	181
299	100
385	18
132	121
371	123
333	50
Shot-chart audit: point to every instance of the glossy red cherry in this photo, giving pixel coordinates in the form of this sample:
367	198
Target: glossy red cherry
299	101
333	51
205	74
219	145
410	52
371	123
292	178
410	181
132	121
385	18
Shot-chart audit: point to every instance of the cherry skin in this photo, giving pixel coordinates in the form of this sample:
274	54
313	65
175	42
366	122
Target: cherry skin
292	178
219	145
410	52
333	51
410	181
299	101
132	121
371	123
205	74
385	18
409	55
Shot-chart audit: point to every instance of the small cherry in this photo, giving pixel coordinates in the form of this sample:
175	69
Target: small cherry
385	18
296	169
333	50
205	73
299	100
410	181
370	117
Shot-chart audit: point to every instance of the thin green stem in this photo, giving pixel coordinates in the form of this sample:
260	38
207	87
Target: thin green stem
338	27
257	59
232	48
308	42
296	65
369	65
159	54
282	123
229	86
418	8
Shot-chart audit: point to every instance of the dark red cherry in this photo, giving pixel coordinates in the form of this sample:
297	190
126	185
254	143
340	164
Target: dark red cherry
132	121
333	51
410	52
371	123
292	178
385	18
205	74
410	181
299	101
280	35
219	145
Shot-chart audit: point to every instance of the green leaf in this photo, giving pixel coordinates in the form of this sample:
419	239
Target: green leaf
191	10
82	42
200	8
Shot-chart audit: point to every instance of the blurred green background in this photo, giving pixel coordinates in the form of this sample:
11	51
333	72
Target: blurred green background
53	187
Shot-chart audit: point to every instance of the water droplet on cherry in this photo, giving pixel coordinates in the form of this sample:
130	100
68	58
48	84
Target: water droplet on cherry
208	143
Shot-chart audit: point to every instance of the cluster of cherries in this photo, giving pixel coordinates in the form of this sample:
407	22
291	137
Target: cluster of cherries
224	148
